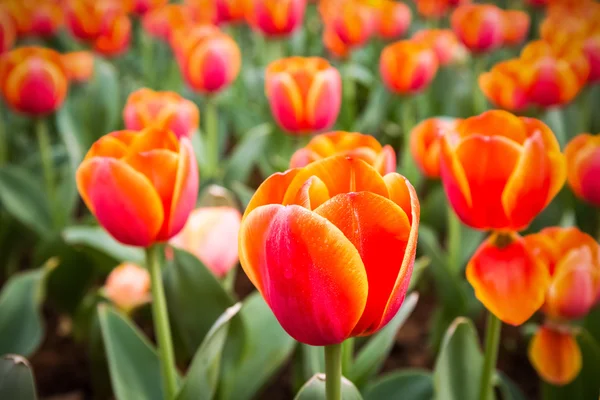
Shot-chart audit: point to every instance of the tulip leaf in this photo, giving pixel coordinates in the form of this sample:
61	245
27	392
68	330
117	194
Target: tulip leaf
133	361
188	286
253	145
310	361
406	385
21	324
371	356
20	195
375	110
16	378
108	95
314	389
507	388
243	193
256	348
202	378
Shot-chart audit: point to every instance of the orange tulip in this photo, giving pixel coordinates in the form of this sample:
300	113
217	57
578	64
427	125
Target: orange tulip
444	43
516	27
304	93
209	234
331	248
166	110
555	355
479	26
33	80
583	160
334	45
508	279
407	66
115	38
209	59
89	19
353	22
141	7
500	171
128	286
45	17
163	22
425	143
79	65
351	144
230	11
591	47
435	9
275	17
140	186
8	31
507	85
392	19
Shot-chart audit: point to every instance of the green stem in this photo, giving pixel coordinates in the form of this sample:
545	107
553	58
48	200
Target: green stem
333	371
45	147
148	61
211	118
492	342
479	102
407	122
161	324
453	240
347	355
349	99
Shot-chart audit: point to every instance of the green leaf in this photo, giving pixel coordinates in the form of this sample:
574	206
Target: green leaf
108	94
256	348
314	389
247	151
133	362
16	378
195	298
243	193
21	196
21	324
508	389
419	268
202	378
372	355
375	110
405	385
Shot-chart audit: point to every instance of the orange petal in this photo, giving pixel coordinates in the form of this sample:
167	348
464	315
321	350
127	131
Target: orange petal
455	183
153	138
403	194
107	146
272	190
312	194
555	355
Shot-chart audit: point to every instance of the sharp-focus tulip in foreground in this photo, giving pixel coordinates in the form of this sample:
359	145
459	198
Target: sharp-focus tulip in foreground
8	31
304	93
275	17
210	234
507	278
444	43
507	85
141	186
79	65
555	355
331	248
499	171
128	286
33	80
479	26
583	161
425	139
352	144
408	66
165	110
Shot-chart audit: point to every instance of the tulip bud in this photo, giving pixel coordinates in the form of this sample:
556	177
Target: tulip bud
391	19
163	22
507	85
115	37
141	7
407	66
128	286
436	9
334	44
8	31
444	43
33	80
425	143
275	17
479	26
230	11
583	160
304	93
591	47
516	27
555	355
79	65
45	18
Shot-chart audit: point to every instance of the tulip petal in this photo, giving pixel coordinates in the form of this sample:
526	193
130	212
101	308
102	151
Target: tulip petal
403	194
323	100
312	194
122	199
286	102
376	226
107	146
309	273
153	138
455	183
555	355
272	190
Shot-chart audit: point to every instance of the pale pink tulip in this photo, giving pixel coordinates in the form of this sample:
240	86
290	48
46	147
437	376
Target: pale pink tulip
128	286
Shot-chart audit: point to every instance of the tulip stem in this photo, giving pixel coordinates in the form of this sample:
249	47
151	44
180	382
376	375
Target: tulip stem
479	103
45	146
349	98
161	323
492	342
211	116
347	354
333	371
407	122
453	241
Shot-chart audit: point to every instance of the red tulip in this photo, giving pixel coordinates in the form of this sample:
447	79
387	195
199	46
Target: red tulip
275	17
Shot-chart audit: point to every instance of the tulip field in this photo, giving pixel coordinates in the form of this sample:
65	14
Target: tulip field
299	199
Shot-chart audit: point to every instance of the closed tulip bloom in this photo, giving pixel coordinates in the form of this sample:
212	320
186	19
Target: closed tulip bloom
79	65
407	66
591	47
500	171
210	234
45	18
583	160
507	85
432	9
479	26
516	27
353	22
209	59
128	286
88	19
304	93
141	7
8	31
230	11
392	19
507	278
33	80
140	186
351	144
115	37
166	110
444	43
334	45
555	355
275	17
425	143
164	21
331	248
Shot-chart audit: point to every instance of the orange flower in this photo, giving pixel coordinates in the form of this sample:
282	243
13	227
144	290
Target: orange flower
275	17
209	235
508	279
555	355
33	80
435	9
165	110
89	19
507	85
79	65
128	286
583	160
391	18
140	186
334	44
163	22
479	26
591	47
499	171
407	66
331	248
351	144
115	37
516	26
425	143
43	17
230	11
352	21
444	43
8	31
141	7
573	260
209	59
304	93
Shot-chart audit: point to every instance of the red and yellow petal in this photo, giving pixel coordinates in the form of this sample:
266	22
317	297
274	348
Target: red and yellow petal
107	146
286	102
555	355
404	195
272	190
455	184
324	100
312	194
